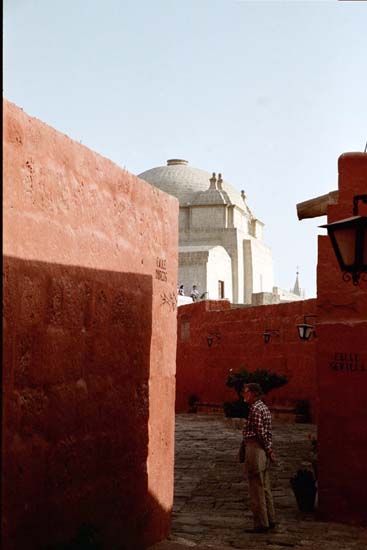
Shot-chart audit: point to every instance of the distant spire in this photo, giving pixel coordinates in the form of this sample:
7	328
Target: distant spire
296	288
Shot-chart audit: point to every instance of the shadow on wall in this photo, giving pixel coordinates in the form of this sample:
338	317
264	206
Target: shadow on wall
75	408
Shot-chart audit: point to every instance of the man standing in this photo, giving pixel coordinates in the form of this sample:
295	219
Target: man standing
257	436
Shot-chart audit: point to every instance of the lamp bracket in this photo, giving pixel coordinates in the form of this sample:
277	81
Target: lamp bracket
356	200
309	315
268	333
355	276
213	336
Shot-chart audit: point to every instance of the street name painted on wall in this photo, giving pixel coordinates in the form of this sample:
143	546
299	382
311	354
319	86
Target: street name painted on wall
347	362
161	269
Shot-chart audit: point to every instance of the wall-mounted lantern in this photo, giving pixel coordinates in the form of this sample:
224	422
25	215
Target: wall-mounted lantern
305	330
349	240
211	337
268	334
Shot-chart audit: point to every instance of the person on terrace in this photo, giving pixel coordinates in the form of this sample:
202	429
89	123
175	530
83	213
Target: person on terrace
194	294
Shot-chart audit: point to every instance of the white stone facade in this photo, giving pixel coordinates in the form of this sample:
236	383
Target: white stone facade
209	268
221	249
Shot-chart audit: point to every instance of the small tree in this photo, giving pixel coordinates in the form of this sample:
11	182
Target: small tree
267	380
236	380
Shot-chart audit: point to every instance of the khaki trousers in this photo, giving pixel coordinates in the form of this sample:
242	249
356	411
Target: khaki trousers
261	500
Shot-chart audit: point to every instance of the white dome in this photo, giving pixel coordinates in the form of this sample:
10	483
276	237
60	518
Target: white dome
185	182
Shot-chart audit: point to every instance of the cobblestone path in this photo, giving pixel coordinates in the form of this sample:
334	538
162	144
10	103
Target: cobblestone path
211	508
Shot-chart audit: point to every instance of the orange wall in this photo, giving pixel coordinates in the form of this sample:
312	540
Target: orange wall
342	367
203	370
89	344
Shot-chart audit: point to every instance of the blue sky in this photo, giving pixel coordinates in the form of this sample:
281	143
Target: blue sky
267	93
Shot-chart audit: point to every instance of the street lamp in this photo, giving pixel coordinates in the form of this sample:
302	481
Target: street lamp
305	330
349	240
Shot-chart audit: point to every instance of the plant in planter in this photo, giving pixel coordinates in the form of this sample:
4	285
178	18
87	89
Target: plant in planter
236	409
303	411
193	400
304	488
236	380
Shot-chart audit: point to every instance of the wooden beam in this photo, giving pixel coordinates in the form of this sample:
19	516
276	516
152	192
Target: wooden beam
317	206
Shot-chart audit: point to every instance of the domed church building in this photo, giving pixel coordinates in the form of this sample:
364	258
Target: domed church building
221	247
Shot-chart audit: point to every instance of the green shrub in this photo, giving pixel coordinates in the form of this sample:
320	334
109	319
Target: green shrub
236	380
267	380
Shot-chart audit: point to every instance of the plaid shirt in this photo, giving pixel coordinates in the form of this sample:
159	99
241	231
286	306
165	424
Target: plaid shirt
258	425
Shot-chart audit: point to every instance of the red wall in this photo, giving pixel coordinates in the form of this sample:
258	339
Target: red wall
89	345
203	370
342	367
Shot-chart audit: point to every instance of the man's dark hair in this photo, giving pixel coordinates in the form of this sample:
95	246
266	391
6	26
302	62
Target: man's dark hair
254	388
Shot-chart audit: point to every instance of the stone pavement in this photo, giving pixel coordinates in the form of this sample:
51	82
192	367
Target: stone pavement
211	508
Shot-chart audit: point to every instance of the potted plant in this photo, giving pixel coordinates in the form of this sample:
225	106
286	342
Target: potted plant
303	411
236	409
192	401
304	488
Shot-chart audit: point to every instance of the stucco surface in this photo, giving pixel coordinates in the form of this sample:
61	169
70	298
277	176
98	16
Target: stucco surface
204	266
90	275
342	365
238	341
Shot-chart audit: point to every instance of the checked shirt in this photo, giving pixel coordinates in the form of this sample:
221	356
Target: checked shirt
258	427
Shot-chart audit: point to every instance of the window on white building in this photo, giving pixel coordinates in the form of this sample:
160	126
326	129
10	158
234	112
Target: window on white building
220	289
